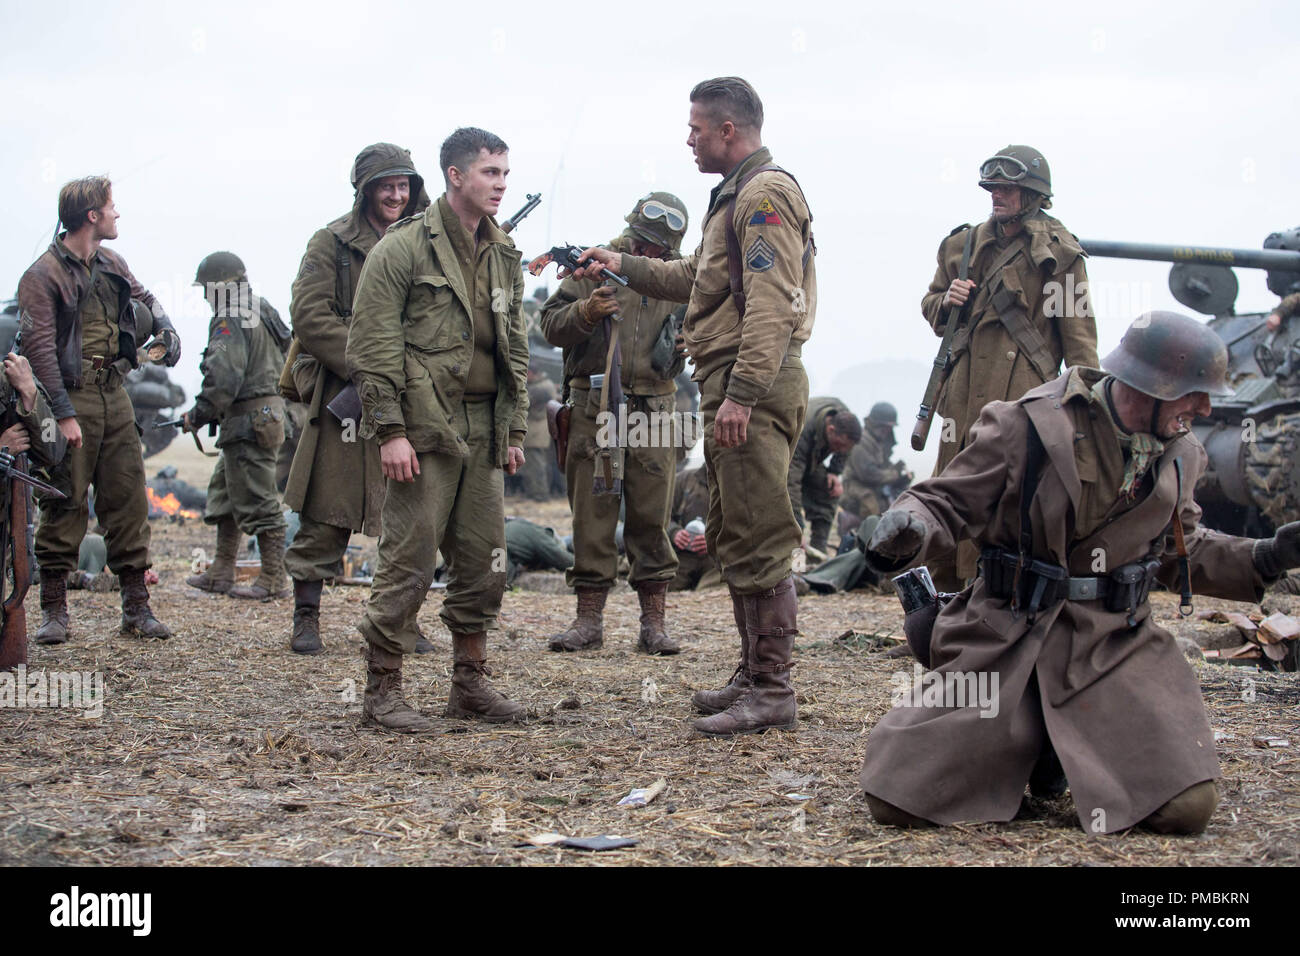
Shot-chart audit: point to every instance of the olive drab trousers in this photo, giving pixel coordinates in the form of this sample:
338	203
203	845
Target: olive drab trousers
649	468
245	489
110	458
455	505
750	528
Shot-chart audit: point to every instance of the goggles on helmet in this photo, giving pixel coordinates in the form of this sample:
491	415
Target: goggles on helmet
1008	168
653	209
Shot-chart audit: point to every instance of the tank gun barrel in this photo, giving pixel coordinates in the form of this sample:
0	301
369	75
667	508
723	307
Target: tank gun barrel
1280	260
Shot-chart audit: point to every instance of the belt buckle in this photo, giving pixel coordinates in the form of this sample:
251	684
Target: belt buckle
1085	589
97	362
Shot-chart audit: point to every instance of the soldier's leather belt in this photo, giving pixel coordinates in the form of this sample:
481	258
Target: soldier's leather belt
101	371
1033	585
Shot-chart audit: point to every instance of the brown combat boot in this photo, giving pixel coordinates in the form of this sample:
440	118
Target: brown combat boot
587	631
137	616
471	694
716	701
54	608
770	620
220	575
306	618
654	639
384	703
271	582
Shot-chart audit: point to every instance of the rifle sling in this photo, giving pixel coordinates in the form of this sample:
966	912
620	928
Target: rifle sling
961	338
735	271
1028	339
343	277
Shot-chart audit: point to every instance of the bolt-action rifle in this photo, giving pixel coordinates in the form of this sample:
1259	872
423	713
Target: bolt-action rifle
943	360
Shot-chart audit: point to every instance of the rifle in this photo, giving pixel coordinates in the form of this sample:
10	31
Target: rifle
568	256
943	360
534	200
13	635
11	468
180	423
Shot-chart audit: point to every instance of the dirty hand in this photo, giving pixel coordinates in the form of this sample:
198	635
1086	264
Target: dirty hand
15	439
1279	553
731	423
19	372
593	260
398	459
70	429
515	459
599	305
898	537
958	292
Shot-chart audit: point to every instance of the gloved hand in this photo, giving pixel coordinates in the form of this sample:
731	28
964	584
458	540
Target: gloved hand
599	305
1280	553
169	338
898	539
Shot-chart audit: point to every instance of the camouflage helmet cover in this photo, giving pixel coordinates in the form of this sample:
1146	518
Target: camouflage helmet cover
220	267
883	413
1168	355
659	228
1021	166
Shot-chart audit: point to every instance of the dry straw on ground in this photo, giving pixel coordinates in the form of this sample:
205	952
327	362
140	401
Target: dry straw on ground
221	747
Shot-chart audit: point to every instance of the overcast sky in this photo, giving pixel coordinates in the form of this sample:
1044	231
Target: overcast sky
233	126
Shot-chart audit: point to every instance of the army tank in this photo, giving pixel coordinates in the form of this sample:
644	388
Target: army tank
1252	484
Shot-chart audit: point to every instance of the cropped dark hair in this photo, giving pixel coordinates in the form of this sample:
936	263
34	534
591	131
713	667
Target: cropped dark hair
461	148
79	197
846	424
730	98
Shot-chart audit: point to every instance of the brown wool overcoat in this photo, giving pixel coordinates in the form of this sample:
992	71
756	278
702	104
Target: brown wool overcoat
1121	705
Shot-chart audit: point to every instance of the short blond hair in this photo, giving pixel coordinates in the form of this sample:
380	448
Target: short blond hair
79	197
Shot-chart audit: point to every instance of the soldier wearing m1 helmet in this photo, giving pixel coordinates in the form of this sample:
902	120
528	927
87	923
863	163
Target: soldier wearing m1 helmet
1285	285
1024	307
869	471
241	371
1080	496
650	361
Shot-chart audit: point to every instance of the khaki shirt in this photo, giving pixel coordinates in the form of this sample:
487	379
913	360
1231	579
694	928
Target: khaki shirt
773	226
471	255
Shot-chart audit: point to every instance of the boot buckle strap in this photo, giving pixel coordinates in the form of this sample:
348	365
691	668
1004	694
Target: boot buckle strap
771	668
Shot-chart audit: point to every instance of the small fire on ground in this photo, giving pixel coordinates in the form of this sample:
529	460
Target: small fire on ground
167	506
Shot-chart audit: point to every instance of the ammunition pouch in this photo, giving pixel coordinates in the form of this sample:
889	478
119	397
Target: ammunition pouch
1028	584
258	419
1034	585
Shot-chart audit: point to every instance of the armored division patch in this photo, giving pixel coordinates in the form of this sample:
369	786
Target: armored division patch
760	256
765	215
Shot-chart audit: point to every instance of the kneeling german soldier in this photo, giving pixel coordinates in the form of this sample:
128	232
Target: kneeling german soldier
1079	496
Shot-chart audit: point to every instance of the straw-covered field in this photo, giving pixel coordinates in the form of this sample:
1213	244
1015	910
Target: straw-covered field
222	747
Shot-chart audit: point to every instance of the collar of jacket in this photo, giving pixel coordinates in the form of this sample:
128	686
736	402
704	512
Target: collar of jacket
1044	406
1051	245
727	188
445	254
350	230
100	258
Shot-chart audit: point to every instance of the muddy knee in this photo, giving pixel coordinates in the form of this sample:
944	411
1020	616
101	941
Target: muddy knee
892	816
1187	813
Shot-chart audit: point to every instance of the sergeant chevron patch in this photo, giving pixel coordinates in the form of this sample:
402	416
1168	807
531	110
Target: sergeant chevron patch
760	256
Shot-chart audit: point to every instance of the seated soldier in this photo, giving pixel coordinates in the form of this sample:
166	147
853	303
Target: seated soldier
1079	495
